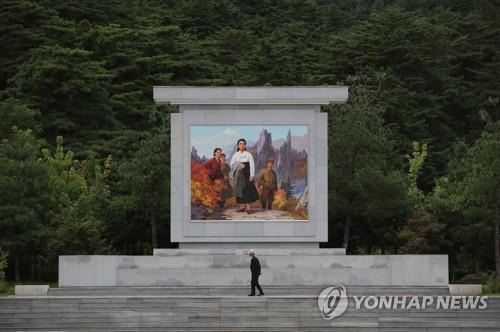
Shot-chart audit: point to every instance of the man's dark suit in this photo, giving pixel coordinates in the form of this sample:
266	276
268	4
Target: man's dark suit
255	269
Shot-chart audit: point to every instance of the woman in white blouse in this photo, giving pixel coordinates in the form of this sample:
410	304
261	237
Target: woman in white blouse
247	167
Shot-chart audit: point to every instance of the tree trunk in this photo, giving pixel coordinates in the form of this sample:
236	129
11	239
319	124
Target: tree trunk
154	237
347	229
16	267
497	243
476	256
476	260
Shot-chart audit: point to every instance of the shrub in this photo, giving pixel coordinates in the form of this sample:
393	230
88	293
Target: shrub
492	285
3	263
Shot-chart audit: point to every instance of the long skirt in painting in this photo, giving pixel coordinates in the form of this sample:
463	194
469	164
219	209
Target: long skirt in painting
250	193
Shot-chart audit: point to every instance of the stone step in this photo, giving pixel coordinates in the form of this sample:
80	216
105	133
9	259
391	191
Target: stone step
243	251
221	313
243	290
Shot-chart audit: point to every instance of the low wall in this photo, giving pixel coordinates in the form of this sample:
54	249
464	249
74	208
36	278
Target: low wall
231	269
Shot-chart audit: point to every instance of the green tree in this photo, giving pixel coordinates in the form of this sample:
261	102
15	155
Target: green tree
81	192
235	52
206	17
363	184
3	263
68	88
20	30
24	197
422	232
416	162
482	183
143	185
467	201
13	113
421	91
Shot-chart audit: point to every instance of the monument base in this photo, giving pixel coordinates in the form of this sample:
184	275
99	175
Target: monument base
230	267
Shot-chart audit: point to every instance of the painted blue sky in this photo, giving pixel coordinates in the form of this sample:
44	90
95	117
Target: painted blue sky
206	138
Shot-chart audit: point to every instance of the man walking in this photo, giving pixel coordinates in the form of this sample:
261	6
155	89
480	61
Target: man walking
255	269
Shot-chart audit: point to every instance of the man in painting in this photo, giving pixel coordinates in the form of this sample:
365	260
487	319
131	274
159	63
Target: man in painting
268	184
213	166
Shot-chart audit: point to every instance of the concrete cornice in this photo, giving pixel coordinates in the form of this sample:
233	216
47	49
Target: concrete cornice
278	95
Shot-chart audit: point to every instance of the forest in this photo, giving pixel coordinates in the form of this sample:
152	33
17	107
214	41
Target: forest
414	156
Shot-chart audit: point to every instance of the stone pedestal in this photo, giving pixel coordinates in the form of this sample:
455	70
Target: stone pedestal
230	267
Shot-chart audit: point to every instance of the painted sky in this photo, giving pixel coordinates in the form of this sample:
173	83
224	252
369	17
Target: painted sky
206	138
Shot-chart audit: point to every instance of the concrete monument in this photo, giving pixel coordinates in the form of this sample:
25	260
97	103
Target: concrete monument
209	217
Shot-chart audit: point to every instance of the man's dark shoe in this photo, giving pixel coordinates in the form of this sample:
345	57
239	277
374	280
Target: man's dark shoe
260	294
251	294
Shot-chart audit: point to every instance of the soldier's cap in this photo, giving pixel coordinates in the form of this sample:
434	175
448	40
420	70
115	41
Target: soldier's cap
270	160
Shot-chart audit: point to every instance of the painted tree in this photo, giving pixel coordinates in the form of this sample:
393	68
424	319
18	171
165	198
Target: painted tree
204	191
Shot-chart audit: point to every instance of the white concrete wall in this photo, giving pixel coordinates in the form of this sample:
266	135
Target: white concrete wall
184	230
269	95
188	269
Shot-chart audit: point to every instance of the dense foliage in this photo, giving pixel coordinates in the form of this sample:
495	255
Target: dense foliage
84	152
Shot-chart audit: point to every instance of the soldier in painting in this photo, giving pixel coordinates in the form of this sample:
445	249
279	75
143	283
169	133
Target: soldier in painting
268	184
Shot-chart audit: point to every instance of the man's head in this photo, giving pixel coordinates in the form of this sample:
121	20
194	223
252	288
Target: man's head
251	252
217	152
223	157
270	163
